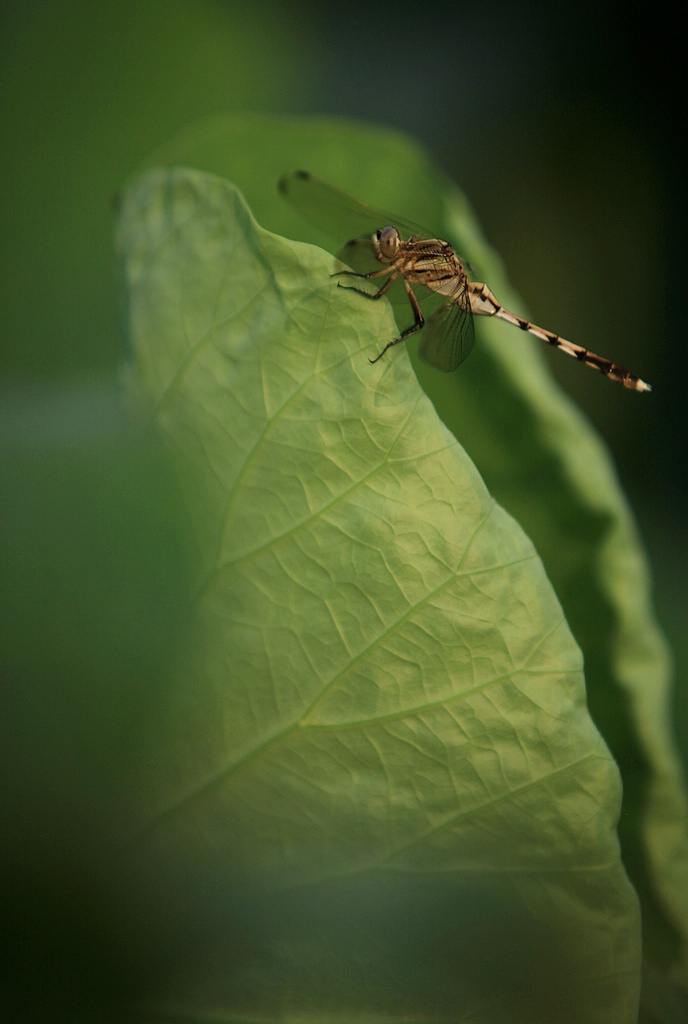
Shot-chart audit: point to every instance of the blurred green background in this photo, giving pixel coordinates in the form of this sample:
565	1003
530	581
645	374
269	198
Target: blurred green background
559	122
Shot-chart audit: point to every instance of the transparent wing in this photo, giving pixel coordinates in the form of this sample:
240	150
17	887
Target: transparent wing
342	217
358	253
448	336
337	213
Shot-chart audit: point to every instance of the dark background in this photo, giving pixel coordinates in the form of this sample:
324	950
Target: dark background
563	124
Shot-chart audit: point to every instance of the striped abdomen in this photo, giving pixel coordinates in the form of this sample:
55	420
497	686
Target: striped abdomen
483	303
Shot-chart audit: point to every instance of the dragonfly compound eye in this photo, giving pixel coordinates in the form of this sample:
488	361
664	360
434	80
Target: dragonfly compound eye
389	242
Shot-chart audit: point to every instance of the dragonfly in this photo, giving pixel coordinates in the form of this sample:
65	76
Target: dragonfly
391	250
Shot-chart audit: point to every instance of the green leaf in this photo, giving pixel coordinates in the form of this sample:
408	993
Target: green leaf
540	459
379	766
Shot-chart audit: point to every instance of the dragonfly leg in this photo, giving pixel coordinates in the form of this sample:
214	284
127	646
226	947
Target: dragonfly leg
417	324
371	273
367	277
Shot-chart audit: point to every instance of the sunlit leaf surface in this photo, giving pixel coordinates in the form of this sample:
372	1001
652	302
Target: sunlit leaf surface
381	747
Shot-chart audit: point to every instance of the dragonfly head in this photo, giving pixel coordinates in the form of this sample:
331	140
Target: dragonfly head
388	243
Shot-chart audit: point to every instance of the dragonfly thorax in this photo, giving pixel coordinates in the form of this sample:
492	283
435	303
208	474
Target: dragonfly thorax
386	241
